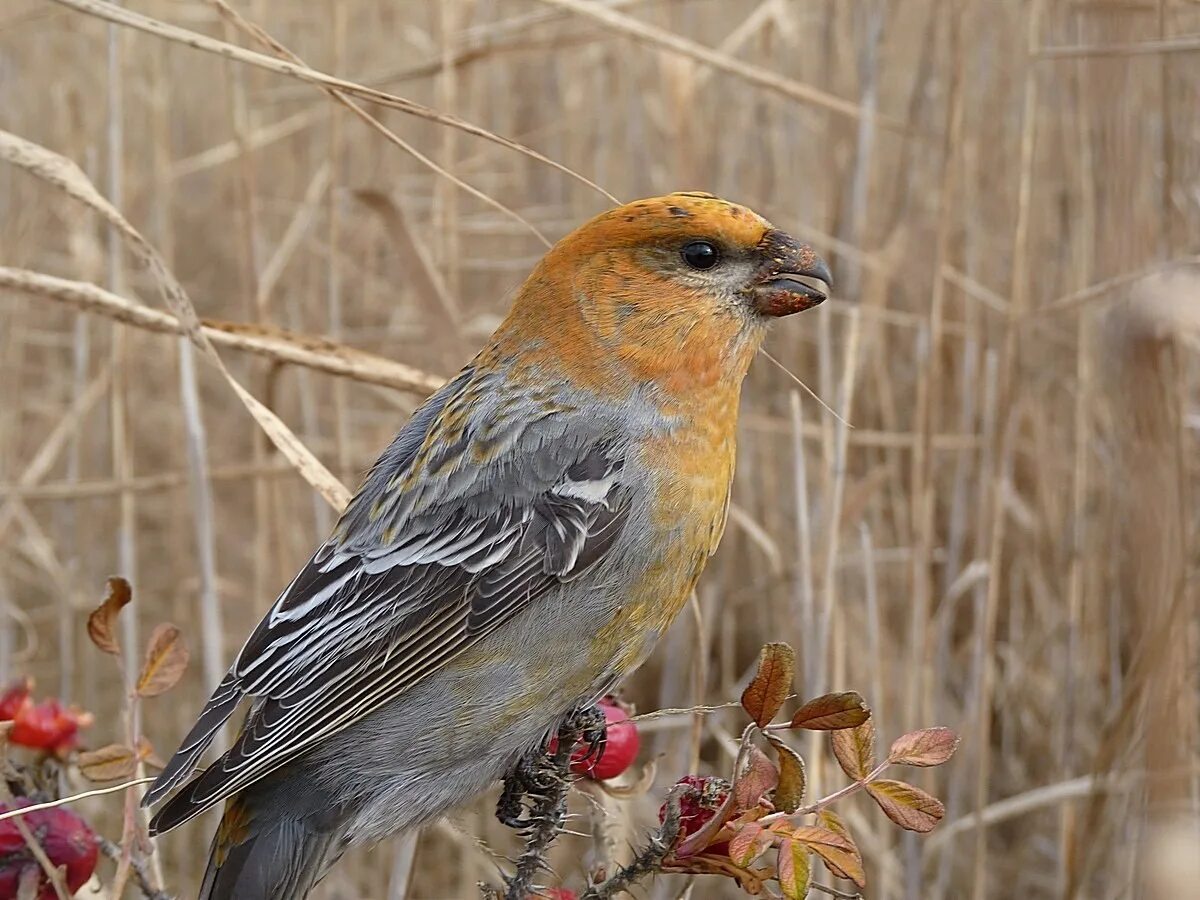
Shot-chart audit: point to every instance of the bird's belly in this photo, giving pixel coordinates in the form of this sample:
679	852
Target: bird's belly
452	735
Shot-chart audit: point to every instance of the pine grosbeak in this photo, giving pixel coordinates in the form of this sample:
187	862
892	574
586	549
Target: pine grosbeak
518	549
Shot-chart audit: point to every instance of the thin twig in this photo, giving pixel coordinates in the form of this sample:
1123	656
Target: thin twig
140	871
277	344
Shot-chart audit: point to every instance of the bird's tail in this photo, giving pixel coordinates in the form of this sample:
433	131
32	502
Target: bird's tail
268	857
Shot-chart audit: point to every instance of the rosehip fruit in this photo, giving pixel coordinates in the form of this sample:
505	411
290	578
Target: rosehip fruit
560	894
14	697
47	726
697	808
620	748
67	839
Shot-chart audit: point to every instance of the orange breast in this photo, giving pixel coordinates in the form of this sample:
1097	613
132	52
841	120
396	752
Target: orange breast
694	468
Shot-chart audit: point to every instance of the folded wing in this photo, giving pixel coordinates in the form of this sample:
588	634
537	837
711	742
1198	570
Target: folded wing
368	618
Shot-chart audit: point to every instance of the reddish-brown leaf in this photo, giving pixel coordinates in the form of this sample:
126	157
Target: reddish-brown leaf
909	807
795	869
927	747
108	763
772	683
789	793
757	776
166	658
830	712
749	843
846	865
855	749
100	623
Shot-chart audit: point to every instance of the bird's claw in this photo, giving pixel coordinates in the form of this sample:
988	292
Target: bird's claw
591	729
539	779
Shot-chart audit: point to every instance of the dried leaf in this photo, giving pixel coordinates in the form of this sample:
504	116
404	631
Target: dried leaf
756	777
789	794
100	622
749	843
795	869
831	712
166	658
851	866
855	749
108	763
772	683
927	747
836	850
909	807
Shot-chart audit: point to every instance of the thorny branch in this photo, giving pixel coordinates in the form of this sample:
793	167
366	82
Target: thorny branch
650	859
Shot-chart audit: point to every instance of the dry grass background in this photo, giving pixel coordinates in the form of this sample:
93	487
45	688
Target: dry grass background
1005	542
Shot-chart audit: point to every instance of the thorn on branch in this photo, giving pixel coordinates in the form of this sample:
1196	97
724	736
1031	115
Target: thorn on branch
650	859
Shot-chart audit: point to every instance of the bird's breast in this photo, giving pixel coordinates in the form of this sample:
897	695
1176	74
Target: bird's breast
691	471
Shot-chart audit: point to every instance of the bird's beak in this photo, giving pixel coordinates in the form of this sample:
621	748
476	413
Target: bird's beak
781	288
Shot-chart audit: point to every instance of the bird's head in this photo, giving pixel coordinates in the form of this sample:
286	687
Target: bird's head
676	290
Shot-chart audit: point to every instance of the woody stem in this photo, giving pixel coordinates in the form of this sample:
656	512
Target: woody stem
650	859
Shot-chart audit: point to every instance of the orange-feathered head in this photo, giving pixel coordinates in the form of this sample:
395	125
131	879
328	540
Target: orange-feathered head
675	289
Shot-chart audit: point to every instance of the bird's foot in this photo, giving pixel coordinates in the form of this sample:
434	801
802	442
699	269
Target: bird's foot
591	730
542	774
534	797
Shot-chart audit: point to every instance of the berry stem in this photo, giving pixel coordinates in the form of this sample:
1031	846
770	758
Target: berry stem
851	788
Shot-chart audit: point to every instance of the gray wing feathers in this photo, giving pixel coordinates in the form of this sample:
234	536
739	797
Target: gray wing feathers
365	620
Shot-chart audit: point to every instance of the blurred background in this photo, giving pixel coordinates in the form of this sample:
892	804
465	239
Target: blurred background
1002	540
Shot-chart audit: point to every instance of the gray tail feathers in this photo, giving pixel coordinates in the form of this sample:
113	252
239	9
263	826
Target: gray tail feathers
282	861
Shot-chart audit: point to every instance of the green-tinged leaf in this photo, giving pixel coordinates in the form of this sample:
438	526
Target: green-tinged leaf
789	793
855	749
757	776
842	864
909	807
927	747
100	623
749	843
166	658
108	763
831	712
812	835
795	869
772	683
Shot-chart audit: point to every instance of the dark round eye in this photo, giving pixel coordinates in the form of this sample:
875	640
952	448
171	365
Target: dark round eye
701	255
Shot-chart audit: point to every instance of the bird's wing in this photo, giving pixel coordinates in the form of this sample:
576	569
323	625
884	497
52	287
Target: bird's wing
438	548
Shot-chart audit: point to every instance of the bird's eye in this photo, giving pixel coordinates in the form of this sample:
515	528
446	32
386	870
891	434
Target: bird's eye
701	255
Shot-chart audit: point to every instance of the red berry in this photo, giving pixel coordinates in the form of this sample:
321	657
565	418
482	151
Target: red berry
66	838
14	697
47	726
560	894
696	808
621	743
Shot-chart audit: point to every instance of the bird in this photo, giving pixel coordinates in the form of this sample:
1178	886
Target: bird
517	550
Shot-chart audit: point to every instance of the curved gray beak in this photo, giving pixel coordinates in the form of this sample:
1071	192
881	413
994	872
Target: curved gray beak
785	285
